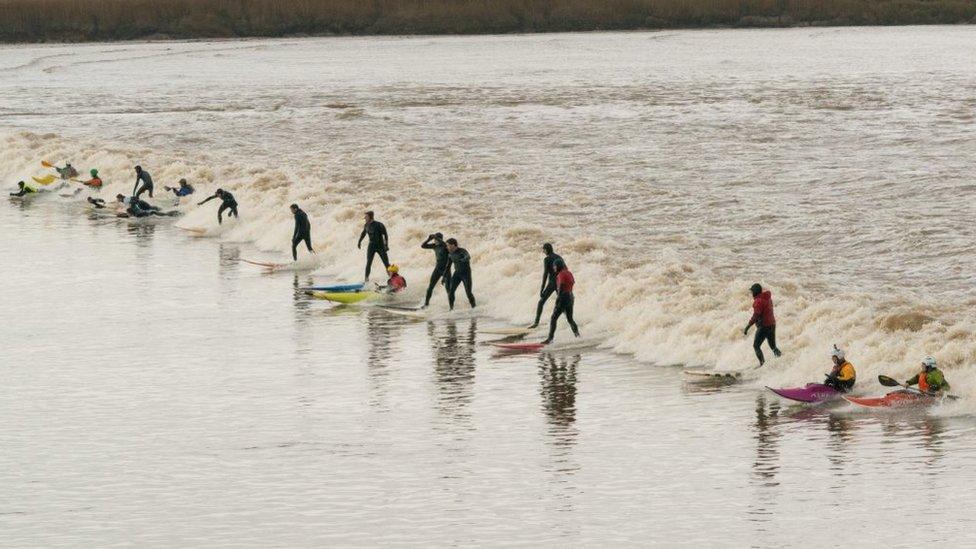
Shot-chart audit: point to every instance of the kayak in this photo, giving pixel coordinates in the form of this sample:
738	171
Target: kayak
44	179
335	288
345	297
896	399
809	393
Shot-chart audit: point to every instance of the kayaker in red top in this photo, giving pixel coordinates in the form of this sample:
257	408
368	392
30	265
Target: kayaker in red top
396	283
765	321
564	299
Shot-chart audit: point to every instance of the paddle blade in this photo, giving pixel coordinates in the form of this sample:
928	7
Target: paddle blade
46	164
888	382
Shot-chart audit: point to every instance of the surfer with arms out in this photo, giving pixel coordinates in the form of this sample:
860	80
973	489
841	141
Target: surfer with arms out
227	202
765	321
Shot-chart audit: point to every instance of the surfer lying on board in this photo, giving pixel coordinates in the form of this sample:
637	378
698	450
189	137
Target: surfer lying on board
23	188
185	189
147	183
379	241
303	231
461	265
396	283
930	380
843	376
564	299
765	321
442	267
548	281
227	202
67	172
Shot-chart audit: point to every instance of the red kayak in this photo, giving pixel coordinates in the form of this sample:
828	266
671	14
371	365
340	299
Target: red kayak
897	399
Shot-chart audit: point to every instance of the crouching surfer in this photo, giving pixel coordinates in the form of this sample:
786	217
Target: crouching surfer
842	376
396	283
227	202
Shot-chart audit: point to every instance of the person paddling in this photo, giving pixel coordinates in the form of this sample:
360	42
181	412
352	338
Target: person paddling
461	265
548	281
379	241
442	265
930	380
23	189
185	189
227	202
147	183
842	376
765	321
95	182
67	172
303	231
564	299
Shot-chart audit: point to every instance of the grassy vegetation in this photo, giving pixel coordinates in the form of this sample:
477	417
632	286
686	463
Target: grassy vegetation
70	20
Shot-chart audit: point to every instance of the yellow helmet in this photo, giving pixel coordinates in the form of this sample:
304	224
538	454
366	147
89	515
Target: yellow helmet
393	268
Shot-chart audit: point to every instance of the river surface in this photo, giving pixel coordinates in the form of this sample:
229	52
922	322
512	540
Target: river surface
158	391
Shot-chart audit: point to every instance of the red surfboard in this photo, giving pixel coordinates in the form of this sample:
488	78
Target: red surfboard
521	347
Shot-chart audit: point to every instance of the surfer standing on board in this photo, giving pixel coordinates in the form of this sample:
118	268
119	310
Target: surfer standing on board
227	202
548	281
303	231
564	299
461	262
147	183
379	241
442	267
765	321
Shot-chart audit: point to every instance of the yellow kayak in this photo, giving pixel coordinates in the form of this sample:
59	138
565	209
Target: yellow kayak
44	180
345	297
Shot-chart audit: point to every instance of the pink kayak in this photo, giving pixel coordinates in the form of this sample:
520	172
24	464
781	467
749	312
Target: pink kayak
810	393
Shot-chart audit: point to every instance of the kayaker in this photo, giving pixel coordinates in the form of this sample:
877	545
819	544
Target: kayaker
395	283
442	265
765	321
461	265
95	182
379	241
147	183
564	299
185	189
67	172
227	202
548	281
23	188
303	231
930	380
843	376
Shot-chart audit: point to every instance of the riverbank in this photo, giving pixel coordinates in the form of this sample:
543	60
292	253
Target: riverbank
101	20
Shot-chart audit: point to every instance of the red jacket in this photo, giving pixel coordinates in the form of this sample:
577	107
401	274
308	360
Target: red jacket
762	308
396	282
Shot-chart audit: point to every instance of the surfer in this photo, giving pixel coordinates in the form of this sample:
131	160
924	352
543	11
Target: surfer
227	202
185	189
379	241
930	380
95	182
303	231
23	189
67	172
461	263
843	376
564	299
548	281
147	183
442	267
765	321
395	283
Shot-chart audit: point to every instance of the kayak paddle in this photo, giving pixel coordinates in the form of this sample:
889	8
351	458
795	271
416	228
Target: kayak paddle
47	164
891	382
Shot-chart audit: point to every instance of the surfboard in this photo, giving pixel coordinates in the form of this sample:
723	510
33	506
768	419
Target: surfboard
714	374
265	264
520	347
199	231
410	312
508	331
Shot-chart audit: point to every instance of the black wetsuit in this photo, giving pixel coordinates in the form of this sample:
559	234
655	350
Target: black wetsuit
226	202
378	244
564	306
147	184
442	269
461	262
303	231
548	284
